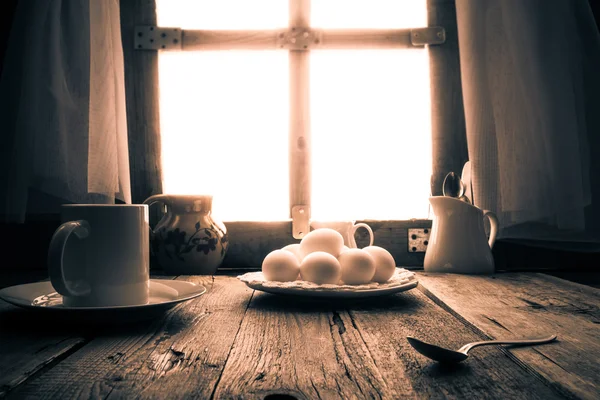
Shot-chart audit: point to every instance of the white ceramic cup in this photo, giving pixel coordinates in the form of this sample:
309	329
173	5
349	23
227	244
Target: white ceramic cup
346	228
99	255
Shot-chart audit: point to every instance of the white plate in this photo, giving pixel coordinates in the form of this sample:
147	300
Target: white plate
164	294
401	281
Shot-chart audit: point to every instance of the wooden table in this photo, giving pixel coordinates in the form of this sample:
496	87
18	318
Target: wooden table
233	342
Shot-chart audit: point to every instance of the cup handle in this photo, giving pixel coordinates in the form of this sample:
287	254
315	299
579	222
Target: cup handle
56	251
368	228
493	226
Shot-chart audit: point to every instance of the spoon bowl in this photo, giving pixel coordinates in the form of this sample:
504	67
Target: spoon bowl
443	355
453	186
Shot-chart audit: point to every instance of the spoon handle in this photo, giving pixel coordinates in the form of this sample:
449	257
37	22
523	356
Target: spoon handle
465	349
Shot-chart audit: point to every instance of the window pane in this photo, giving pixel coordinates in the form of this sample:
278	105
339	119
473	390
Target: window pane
223	14
224	125
381	14
371	134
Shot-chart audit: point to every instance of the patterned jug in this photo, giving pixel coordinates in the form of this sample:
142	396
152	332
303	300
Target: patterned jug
188	240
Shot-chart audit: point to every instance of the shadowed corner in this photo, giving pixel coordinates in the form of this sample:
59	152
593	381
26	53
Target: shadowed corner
24	321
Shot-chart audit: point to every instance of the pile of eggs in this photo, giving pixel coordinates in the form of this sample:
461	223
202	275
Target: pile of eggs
322	258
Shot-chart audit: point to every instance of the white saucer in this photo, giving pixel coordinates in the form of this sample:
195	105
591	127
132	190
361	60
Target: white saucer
164	294
401	281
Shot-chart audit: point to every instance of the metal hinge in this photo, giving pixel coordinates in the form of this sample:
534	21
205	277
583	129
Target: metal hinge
427	36
157	38
300	221
418	239
298	39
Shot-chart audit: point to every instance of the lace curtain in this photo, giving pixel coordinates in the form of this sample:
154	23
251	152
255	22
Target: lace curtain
529	71
62	107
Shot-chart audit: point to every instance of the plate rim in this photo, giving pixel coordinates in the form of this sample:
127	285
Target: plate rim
331	294
337	295
23	303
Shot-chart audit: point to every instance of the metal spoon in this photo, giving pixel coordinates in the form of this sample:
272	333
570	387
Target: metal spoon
443	355
453	186
467	181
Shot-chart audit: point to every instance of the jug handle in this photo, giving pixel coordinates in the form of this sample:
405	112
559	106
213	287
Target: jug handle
367	227
157	198
493	226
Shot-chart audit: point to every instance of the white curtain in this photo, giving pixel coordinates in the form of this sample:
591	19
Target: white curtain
62	107
528	68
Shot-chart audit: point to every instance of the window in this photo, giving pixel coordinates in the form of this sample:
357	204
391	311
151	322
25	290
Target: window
343	125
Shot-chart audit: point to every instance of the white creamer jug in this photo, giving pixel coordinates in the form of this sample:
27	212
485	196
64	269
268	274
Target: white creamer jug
458	242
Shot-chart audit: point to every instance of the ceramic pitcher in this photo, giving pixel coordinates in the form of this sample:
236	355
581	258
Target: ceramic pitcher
188	239
458	242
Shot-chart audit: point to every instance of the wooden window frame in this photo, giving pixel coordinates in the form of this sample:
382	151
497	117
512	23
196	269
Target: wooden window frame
250	242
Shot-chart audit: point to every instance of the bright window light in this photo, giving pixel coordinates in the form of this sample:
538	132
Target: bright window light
371	134
224	125
370	117
223	14
380	14
225	114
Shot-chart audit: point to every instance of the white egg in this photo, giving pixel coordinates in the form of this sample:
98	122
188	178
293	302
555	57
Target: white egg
385	265
320	267
358	266
322	239
281	265
294	249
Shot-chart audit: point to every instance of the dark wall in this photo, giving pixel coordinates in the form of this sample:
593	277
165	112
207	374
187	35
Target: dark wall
21	240
595	5
7	9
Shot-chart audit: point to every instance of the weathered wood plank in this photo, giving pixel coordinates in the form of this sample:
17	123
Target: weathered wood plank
178	356
28	344
33	341
299	134
339	39
488	373
194	40
142	102
312	350
515	305
292	347
449	140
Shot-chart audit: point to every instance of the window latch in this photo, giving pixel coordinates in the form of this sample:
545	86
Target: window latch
427	36
300	221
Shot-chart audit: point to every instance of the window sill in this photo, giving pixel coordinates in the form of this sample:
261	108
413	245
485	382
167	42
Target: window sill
250	242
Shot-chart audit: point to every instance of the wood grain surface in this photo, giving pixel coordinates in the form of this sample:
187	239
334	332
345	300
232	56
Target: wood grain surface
28	345
356	350
516	305
178	356
33	342
233	342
